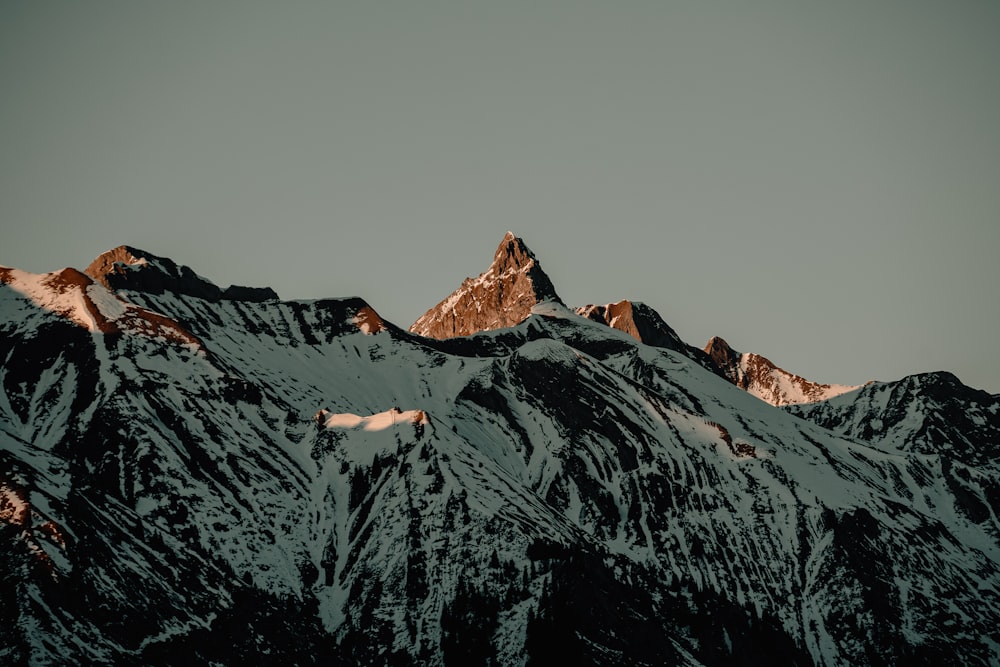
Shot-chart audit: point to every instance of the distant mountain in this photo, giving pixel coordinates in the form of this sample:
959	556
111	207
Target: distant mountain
126	268
762	378
198	475
929	413
646	326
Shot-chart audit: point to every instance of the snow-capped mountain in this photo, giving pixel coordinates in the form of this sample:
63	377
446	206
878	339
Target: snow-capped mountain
761	377
929	413
205	476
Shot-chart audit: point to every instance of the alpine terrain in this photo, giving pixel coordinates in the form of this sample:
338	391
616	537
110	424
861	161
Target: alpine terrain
192	474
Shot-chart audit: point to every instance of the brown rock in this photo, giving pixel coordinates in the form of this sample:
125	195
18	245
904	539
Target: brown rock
500	297
128	268
368	320
637	320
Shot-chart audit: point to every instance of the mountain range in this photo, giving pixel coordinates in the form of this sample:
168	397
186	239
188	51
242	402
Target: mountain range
192	474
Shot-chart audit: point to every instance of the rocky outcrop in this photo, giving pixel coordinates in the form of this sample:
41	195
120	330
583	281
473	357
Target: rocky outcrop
726	359
368	320
646	326
762	378
251	294
637	320
76	297
500	297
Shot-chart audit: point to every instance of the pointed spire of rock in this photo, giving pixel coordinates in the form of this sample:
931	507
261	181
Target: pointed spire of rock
500	297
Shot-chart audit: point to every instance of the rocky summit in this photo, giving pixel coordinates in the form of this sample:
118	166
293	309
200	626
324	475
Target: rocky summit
192	475
502	296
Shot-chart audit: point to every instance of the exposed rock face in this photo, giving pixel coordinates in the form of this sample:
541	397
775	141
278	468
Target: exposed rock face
646	326
252	294
726	359
762	378
501	297
637	320
128	268
368	320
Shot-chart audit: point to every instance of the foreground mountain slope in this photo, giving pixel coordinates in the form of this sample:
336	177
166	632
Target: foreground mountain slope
305	482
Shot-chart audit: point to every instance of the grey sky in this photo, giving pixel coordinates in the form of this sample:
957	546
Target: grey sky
816	182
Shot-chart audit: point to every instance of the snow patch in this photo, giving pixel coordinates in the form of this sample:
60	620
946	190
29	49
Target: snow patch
377	422
546	349
110	306
553	309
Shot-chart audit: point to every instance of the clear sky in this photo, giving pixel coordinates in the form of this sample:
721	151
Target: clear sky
818	182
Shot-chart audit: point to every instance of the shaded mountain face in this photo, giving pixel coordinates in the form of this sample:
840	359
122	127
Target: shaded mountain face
928	413
500	297
306	483
762	378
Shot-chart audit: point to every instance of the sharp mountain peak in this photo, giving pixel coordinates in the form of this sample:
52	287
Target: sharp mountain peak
501	296
512	255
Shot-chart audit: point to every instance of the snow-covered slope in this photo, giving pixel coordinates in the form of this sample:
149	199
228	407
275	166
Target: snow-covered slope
310	484
760	377
929	413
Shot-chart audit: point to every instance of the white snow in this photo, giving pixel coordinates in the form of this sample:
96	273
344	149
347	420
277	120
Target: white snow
554	309
44	290
110	305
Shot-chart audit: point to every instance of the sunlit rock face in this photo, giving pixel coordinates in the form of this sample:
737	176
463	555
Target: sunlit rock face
761	377
500	297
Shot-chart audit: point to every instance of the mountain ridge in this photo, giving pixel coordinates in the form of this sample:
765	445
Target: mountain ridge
126	267
764	379
316	484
